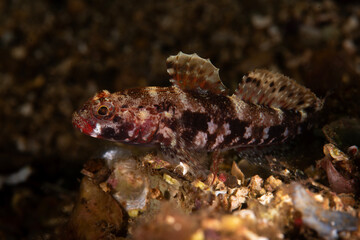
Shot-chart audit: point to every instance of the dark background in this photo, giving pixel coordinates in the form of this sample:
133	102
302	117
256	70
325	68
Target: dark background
56	54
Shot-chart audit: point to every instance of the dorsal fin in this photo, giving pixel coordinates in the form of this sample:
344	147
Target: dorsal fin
276	90
191	72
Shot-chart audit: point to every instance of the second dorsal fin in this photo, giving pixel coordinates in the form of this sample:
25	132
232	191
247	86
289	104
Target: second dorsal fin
191	72
276	90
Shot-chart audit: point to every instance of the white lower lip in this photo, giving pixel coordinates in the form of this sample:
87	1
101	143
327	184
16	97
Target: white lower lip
97	130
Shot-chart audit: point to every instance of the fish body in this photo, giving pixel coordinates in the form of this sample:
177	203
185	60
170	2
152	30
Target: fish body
196	113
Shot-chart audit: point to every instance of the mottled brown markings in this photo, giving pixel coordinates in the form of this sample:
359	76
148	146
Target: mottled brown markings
255	137
123	131
291	117
275	132
165	106
237	128
117	119
137	97
195	120
107	132
188	136
163	140
170	123
133	93
157	107
211	140
217	106
185	114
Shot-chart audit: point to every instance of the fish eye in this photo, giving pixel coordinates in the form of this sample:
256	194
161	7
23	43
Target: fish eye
103	110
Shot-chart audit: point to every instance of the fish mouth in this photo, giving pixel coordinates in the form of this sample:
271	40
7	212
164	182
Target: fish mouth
82	124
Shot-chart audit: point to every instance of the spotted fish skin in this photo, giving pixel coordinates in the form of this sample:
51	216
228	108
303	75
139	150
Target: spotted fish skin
196	114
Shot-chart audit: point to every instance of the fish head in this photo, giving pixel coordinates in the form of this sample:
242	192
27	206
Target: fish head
114	117
96	117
